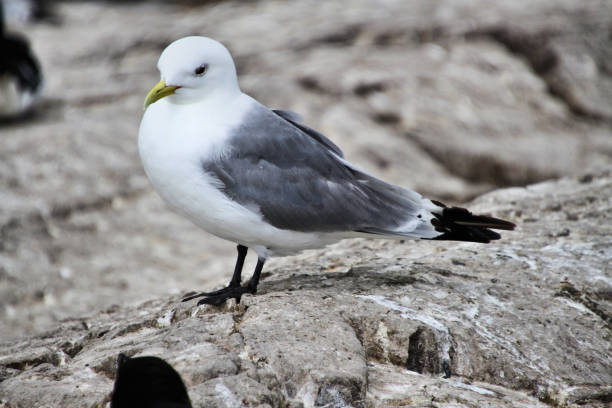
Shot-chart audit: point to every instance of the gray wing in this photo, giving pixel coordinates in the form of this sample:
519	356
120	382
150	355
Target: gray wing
298	180
291	116
295	119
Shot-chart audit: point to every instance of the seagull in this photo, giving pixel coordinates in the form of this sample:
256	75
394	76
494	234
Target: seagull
20	74
148	382
263	179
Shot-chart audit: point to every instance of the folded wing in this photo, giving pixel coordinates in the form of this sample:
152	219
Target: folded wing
297	179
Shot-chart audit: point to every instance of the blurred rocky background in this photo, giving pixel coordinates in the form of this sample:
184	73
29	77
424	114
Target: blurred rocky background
450	98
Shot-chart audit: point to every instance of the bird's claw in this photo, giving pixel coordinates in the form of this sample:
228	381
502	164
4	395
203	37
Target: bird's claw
220	296
213	293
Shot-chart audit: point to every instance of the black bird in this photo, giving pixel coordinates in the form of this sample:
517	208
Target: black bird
20	73
148	382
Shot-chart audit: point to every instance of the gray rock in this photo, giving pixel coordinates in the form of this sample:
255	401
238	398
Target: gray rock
451	99
522	322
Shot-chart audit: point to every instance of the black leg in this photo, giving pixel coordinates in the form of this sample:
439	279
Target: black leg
236	292
254	281
236	277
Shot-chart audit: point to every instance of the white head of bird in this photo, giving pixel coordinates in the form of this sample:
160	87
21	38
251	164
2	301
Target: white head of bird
193	69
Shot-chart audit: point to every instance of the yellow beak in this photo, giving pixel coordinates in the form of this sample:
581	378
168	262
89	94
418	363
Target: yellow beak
159	91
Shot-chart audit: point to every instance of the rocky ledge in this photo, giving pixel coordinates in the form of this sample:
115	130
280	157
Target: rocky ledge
449	98
523	322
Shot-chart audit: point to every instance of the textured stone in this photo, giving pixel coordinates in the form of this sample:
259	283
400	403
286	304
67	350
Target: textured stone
525	321
450	98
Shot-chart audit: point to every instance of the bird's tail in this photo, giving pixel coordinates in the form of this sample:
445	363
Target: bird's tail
459	224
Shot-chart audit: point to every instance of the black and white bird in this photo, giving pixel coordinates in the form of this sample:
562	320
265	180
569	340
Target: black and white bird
20	74
148	382
263	179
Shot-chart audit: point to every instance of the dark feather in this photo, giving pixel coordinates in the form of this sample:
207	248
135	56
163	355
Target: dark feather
148	382
459	224
18	61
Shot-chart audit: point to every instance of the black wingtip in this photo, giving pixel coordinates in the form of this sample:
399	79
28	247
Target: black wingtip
459	224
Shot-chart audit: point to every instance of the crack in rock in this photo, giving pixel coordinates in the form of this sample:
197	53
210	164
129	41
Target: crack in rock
430	345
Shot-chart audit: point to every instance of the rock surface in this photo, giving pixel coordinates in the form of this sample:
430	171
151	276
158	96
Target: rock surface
523	322
451	98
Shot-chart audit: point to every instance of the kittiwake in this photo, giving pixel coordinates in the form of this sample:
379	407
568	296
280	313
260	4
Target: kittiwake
264	180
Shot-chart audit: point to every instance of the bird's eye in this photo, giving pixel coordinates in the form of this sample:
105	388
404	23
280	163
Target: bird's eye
201	70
